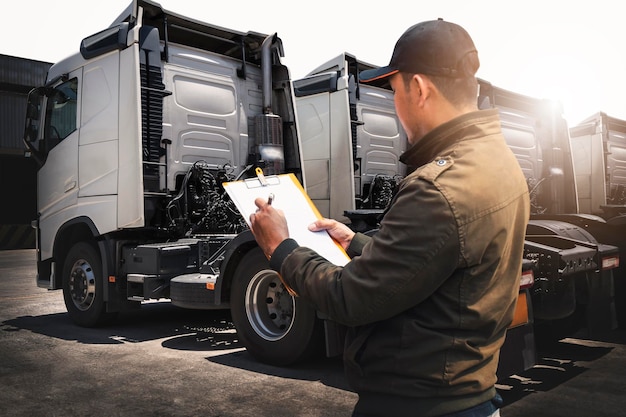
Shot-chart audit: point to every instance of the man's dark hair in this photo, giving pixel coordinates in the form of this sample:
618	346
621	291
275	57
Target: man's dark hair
459	91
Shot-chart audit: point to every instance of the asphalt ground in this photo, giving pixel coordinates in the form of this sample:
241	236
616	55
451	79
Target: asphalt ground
166	361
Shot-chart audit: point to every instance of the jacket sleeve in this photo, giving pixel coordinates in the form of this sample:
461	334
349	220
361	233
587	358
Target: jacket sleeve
415	250
357	244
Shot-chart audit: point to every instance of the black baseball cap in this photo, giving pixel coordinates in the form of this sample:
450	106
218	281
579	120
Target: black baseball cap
434	47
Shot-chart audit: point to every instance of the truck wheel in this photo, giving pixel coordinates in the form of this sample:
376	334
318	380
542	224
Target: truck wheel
275	327
83	286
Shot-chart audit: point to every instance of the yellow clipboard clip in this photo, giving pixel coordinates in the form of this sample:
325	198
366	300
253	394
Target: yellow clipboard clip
260	176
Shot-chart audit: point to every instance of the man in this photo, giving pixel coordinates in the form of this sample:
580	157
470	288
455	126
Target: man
429	297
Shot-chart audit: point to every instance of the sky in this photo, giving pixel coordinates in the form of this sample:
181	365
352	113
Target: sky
572	52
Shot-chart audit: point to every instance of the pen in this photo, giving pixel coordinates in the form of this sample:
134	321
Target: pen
270	198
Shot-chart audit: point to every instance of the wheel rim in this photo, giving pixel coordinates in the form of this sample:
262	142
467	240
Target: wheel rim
82	285
269	307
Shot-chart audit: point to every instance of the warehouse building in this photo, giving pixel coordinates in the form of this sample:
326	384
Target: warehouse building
18	174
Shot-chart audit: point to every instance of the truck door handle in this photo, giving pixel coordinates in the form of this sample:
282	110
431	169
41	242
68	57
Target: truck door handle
70	186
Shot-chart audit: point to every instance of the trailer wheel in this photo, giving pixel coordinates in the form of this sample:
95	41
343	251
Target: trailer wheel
83	286
275	327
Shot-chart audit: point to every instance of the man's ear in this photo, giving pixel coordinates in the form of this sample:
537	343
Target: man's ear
422	86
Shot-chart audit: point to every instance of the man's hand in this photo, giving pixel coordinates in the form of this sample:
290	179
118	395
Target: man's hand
269	227
338	231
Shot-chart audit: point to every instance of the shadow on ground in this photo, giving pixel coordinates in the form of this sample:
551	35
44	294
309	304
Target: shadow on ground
179	329
192	329
558	362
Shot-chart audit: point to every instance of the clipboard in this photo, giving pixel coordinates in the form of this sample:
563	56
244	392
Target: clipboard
289	196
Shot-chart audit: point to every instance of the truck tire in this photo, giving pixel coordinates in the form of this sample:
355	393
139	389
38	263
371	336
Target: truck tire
275	327
83	286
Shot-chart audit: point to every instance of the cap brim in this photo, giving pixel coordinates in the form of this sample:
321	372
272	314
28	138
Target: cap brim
368	76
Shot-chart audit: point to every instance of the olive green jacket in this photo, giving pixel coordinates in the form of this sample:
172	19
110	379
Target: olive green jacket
429	297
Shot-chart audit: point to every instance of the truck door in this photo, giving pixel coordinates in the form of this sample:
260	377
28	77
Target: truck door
58	176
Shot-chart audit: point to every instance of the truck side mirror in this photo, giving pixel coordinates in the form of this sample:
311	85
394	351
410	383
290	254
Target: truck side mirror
31	128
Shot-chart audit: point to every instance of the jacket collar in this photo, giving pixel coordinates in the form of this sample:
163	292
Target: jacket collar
465	127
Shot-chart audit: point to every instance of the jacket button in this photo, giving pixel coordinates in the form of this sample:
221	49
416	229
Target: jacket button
441	162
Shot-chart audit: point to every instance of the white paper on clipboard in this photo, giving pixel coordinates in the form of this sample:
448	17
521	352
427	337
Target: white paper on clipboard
299	210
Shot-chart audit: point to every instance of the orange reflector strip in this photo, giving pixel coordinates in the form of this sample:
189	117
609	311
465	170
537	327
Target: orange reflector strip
521	311
610	262
112	279
210	286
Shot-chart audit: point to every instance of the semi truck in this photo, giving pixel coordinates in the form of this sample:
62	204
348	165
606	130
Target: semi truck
134	136
599	154
574	285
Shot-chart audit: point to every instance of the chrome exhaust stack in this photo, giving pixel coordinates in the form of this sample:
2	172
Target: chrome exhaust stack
269	126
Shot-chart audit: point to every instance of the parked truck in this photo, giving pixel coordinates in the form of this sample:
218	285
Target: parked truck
135	135
599	154
574	280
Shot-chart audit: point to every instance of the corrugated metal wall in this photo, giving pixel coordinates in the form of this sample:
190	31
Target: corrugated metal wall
18	174
22	72
17	77
12	110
